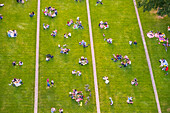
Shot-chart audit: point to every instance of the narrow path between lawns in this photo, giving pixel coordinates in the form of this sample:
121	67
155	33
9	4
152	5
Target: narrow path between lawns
93	59
147	57
37	60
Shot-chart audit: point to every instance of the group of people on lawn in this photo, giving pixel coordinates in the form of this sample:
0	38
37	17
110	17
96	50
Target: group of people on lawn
16	82
83	61
50	11
125	60
77	25
76	95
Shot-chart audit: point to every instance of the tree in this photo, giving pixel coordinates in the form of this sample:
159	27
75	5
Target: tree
162	6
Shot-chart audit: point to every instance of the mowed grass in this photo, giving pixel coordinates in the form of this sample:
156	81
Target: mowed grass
60	67
150	21
121	17
22	48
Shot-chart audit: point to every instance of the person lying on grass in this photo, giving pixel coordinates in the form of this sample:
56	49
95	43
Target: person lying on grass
64	50
12	33
117	57
166	45
129	100
48	56
134	82
1	17
54	33
109	40
70	22
99	1
111	101
83	61
83	43
46	26
164	65
1	5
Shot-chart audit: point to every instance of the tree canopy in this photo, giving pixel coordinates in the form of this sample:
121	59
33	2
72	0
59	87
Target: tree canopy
162	6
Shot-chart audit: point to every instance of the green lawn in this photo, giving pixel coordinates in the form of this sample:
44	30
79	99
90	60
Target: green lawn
124	27
156	52
60	67
121	17
16	16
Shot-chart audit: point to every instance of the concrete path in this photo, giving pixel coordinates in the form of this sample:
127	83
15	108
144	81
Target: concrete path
93	58
148	59
37	60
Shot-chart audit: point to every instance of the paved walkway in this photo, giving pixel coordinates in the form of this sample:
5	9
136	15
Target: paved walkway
93	58
148	59
37	60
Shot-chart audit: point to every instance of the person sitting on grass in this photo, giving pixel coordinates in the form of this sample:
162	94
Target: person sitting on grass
106	79
20	1
14	63
54	33
60	110
168	28
109	40
66	36
78	73
74	72
124	63
20	63
31	14
1	17
52	82
48	85
99	1
53	110
134	82
70	22
135	43
77	0
46	26
130	42
129	100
